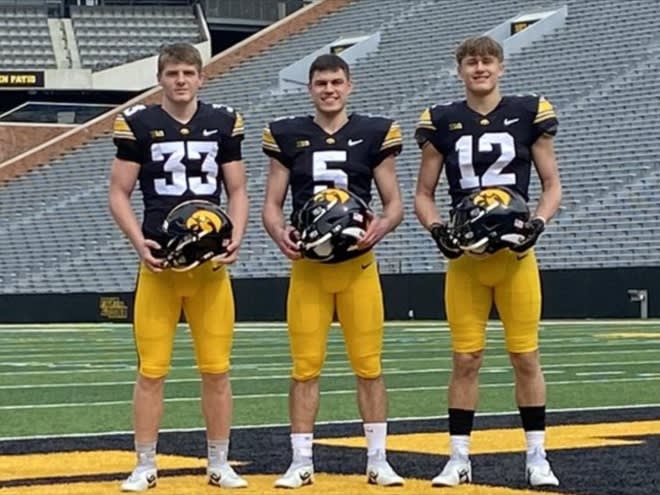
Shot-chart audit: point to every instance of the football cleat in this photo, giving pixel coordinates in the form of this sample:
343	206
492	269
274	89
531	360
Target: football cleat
224	476
456	472
296	476
539	473
381	473
140	480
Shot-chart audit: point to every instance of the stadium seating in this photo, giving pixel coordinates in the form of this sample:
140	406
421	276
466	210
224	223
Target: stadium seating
600	70
26	40
113	35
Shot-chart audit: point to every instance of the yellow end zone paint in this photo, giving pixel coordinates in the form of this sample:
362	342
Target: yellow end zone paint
325	484
15	467
500	441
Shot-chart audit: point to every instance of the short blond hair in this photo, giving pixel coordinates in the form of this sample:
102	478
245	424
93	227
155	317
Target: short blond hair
479	46
179	53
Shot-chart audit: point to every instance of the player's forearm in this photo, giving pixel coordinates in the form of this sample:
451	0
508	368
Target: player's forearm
550	200
273	219
122	212
426	211
392	214
238	210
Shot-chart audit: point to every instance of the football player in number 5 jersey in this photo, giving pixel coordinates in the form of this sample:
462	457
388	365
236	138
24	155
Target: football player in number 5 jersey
490	140
181	150
333	150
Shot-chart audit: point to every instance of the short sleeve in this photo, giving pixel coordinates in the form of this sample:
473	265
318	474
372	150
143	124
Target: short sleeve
392	143
231	148
271	147
545	120
125	140
427	131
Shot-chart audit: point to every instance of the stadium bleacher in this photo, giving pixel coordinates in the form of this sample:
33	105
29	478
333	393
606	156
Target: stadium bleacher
26	40
599	71
112	35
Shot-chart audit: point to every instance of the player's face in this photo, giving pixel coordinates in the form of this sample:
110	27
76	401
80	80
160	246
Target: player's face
329	90
180	82
480	74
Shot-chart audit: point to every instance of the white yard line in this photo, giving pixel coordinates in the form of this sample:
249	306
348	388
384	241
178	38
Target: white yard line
339	372
88	367
328	392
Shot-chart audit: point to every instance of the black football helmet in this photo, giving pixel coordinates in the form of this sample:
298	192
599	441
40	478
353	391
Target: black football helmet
330	224
197	230
489	220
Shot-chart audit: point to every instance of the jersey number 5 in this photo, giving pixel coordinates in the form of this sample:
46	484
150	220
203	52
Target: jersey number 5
493	175
180	182
323	175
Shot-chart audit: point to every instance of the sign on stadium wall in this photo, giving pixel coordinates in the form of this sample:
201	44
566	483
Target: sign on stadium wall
22	79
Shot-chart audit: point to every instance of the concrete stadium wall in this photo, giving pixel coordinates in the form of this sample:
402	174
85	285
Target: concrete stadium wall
589	293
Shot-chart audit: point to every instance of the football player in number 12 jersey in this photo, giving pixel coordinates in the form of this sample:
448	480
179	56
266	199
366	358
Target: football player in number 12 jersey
333	150
180	150
490	141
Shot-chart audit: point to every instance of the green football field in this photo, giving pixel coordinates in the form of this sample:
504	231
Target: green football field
77	379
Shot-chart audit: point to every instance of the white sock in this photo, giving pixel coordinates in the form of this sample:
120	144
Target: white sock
301	444
146	455
376	434
460	447
217	452
535	444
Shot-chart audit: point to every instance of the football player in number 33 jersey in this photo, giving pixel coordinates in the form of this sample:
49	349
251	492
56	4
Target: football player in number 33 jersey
180	150
489	140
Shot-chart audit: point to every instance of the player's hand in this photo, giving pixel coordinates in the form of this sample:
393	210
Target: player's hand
288	240
230	255
375	232
144	251
532	231
445	241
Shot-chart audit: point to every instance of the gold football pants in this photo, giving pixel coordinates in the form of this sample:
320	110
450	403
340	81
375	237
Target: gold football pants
207	300
510	280
352	290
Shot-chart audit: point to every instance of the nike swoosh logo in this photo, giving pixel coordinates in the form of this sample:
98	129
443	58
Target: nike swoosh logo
209	132
354	143
510	121
521	256
366	265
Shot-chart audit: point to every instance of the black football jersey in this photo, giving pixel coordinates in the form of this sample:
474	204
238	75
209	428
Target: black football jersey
178	162
345	159
491	150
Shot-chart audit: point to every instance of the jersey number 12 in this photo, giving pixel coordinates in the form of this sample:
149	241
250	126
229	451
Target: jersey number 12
493	175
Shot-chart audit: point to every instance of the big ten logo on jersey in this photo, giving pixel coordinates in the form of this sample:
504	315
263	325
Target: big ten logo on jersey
134	109
172	154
